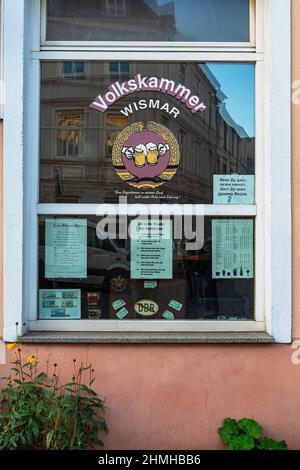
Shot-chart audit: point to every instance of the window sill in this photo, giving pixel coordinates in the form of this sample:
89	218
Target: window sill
142	338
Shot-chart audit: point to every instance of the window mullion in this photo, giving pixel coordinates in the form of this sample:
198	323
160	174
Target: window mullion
201	209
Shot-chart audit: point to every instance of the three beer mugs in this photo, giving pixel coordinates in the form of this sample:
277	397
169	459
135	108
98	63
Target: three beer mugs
142	154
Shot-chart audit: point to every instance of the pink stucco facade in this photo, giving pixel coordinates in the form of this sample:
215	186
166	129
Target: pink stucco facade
176	396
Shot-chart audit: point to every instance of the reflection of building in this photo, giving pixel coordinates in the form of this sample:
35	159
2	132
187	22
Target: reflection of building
77	140
112	20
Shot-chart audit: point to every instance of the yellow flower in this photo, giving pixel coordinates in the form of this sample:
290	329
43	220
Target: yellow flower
11	345
32	358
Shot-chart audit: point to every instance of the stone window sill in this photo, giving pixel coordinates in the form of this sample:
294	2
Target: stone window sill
144	338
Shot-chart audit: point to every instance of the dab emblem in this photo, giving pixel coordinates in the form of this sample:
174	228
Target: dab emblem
146	155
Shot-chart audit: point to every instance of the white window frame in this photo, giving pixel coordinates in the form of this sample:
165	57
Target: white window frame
21	170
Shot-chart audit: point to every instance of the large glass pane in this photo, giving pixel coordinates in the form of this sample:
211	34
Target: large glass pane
153	132
148	20
82	276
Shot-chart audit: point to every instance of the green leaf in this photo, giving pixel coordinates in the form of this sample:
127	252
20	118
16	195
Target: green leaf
268	443
104	425
40	407
18	381
251	427
23	439
49	438
228	430
242	442
41	375
35	430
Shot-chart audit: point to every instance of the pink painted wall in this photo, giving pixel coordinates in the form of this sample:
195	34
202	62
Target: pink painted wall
176	396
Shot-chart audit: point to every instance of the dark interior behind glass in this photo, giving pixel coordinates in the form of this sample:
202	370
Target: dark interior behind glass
108	281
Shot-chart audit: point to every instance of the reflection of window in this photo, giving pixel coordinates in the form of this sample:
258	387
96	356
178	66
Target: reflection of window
193	162
165	121
114	124
73	69
148	20
69	134
211	109
182	137
225	138
182	74
115	7
119	71
198	159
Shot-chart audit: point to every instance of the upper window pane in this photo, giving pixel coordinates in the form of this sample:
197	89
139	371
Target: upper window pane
139	129
148	20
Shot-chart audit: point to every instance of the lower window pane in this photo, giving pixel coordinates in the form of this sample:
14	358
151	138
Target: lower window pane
82	276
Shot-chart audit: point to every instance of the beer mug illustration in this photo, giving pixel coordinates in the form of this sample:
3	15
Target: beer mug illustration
140	153
152	153
128	152
143	154
163	149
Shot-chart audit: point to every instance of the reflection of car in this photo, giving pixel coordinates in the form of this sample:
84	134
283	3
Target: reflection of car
108	261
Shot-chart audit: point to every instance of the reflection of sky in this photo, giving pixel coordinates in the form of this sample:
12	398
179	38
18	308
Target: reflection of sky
211	20
237	82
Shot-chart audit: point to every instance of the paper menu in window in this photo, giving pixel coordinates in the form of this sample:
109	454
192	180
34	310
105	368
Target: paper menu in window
151	249
232	249
65	248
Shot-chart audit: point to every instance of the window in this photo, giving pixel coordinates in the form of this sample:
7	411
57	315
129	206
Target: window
182	140
193	291
69	133
93	137
109	273
119	70
114	123
182	74
149	20
115	7
137	126
73	69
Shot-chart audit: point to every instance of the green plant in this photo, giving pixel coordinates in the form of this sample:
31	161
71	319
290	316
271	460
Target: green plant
246	434
36	412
